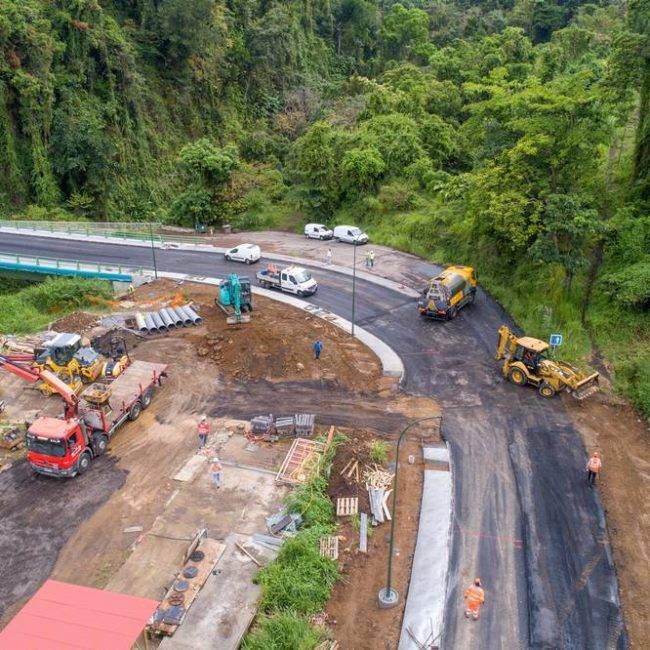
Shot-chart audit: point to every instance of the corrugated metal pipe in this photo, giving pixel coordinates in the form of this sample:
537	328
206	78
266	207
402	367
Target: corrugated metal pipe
178	321
169	323
158	321
187	320
151	326
196	319
140	322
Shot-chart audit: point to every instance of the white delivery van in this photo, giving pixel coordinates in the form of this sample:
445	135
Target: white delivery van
247	253
318	231
350	235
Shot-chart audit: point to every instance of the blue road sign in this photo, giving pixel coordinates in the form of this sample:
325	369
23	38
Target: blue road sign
556	339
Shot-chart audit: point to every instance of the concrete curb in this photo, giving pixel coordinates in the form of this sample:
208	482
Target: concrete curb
391	363
423	620
98	239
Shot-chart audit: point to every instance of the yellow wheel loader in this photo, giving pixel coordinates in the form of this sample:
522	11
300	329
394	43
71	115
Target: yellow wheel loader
525	361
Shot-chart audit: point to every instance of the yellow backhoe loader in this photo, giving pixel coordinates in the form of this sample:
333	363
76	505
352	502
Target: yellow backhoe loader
525	362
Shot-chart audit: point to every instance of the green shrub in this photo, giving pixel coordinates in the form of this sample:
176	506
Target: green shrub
630	287
379	452
283	631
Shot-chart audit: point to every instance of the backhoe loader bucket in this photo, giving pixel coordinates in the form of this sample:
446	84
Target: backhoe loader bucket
586	387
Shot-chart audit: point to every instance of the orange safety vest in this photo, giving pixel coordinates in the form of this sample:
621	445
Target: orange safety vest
594	464
204	428
474	596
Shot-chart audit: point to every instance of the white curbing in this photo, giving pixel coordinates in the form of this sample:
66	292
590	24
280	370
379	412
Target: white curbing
391	363
423	620
98	239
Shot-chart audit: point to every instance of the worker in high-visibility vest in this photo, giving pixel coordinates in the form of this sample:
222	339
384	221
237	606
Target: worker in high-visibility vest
203	430
593	468
474	597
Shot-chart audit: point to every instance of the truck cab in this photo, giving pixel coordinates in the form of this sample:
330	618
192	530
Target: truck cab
58	447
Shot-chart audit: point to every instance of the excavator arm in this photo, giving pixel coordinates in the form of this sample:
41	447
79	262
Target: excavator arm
506	343
33	375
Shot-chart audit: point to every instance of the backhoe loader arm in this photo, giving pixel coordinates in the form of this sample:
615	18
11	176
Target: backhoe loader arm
506	343
34	375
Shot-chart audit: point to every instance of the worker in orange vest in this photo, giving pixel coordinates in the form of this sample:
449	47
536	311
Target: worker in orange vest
593	468
475	597
204	430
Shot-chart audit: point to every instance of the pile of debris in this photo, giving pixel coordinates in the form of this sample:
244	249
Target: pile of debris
378	482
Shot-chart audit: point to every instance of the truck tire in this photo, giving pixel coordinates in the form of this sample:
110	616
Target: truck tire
546	390
101	444
134	412
472	296
452	313
147	396
84	463
517	376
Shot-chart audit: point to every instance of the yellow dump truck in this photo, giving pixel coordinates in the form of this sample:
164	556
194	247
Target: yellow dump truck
448	292
525	362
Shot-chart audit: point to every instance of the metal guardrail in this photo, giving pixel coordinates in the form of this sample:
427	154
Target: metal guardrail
45	265
124	231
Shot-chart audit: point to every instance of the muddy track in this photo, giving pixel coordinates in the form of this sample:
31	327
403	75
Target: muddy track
523	519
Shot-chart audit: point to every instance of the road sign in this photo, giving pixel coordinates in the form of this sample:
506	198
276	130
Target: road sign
556	339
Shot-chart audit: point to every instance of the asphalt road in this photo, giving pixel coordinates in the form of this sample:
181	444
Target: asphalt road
524	520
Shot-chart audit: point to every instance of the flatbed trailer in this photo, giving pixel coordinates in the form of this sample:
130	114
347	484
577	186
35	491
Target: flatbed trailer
66	447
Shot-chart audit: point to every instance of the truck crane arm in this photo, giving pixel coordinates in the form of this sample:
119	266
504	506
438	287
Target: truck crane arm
34	375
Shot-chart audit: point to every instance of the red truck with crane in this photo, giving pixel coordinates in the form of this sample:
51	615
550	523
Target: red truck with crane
66	446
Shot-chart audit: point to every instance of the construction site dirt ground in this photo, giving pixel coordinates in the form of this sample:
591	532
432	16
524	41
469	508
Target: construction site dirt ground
610	425
265	366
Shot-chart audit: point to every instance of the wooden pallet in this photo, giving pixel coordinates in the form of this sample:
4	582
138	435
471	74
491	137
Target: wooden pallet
346	506
301	461
329	547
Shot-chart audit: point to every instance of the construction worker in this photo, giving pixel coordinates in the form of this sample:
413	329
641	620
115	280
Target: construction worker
593	468
367	258
318	348
204	430
328	256
371	257
216	469
475	597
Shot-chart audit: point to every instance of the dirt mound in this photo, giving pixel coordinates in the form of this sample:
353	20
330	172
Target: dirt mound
277	346
77	322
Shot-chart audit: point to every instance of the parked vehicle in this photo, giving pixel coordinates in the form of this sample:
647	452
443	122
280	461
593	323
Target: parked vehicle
293	279
350	235
448	292
318	231
66	446
247	253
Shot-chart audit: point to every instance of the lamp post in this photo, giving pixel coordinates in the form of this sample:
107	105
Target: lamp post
389	597
153	250
354	282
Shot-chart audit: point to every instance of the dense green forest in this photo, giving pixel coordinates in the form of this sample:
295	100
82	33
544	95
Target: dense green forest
510	134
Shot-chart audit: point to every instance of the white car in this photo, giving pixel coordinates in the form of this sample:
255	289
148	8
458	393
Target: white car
350	235
318	231
247	253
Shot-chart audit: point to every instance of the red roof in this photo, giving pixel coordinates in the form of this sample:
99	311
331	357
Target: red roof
52	427
60	616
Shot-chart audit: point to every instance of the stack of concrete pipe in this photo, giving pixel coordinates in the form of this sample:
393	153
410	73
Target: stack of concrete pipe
166	319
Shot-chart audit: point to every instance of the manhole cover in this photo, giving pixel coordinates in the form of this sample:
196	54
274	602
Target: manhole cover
190	572
177	598
197	556
181	585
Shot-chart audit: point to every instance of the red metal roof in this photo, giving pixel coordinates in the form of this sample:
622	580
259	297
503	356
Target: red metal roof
60	616
52	427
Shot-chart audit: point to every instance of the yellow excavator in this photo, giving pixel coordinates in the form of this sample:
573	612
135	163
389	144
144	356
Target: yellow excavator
525	361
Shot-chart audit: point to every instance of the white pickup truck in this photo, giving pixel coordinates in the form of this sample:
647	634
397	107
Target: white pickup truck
293	279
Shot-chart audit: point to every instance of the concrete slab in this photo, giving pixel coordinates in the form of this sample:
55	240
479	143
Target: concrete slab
440	454
423	615
190	469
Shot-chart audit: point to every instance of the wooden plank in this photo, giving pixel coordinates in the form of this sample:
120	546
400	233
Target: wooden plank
213	550
363	532
245	552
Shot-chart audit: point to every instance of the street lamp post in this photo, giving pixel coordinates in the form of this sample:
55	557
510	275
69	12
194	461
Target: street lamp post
354	282
153	250
389	597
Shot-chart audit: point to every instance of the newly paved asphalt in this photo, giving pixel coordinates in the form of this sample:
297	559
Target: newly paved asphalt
524	519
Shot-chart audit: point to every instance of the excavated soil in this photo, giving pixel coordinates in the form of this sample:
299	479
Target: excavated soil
78	321
352	613
623	438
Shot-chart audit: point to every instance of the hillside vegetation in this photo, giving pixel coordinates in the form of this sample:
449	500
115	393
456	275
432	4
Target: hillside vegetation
513	135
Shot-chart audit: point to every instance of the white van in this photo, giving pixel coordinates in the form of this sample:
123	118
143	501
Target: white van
247	253
350	235
318	231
